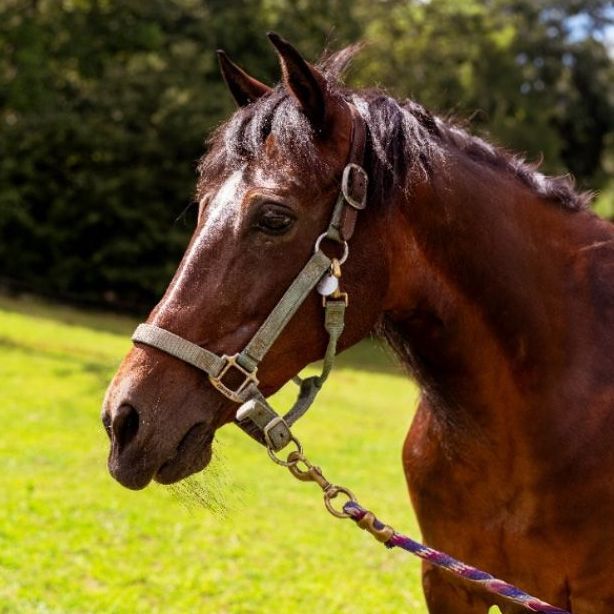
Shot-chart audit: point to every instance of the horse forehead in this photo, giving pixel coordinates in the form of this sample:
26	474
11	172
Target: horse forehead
230	188
225	211
278	168
283	177
224	206
269	176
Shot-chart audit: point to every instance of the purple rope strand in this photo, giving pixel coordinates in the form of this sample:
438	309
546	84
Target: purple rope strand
490	583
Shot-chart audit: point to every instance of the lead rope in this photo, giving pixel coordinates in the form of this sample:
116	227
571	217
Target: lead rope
302	469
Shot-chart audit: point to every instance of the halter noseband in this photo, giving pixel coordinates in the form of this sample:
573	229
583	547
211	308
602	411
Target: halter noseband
255	416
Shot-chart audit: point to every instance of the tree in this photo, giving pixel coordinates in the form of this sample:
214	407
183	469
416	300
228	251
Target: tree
534	75
104	105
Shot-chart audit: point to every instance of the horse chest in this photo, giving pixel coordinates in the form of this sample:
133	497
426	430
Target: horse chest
553	540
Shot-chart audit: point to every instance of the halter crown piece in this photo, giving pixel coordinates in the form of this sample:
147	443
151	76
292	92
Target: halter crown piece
255	416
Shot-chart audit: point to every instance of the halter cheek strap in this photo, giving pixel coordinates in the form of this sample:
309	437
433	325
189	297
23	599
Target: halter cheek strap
221	369
255	416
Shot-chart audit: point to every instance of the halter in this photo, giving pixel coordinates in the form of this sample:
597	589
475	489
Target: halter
255	416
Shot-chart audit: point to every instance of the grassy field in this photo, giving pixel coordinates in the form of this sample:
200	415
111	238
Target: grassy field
243	537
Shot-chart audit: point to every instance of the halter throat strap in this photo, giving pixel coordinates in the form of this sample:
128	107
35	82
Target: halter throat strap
255	416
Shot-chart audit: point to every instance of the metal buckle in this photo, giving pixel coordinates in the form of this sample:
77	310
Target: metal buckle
234	395
274	429
336	296
358	201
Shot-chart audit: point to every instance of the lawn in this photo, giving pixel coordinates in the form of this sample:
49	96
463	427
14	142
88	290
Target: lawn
242	537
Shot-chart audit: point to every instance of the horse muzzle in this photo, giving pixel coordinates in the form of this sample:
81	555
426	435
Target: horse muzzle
134	461
160	430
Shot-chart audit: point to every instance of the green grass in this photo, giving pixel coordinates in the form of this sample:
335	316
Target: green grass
72	540
604	203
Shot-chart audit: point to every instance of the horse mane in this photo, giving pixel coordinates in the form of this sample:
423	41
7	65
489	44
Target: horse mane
406	141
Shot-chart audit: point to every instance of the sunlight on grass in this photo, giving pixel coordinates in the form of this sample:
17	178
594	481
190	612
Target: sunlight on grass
242	537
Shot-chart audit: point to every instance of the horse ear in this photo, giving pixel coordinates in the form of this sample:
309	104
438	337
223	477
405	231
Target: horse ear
302	80
244	89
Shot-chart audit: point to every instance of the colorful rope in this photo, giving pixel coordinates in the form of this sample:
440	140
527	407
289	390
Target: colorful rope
491	584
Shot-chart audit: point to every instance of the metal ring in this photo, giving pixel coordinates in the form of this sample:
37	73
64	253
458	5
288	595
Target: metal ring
346	249
287	463
331	493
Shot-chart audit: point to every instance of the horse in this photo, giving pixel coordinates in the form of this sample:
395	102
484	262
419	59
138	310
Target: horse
493	283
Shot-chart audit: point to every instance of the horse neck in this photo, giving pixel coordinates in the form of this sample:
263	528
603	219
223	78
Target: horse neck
484	308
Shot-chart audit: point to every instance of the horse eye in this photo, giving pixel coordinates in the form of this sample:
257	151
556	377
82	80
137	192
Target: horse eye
274	219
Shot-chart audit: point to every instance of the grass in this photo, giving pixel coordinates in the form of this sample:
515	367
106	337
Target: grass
604	203
72	540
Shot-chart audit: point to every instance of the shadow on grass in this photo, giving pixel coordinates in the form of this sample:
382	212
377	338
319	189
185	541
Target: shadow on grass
100	369
71	316
371	355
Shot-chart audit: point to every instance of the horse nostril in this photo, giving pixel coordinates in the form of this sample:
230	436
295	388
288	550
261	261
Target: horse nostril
125	425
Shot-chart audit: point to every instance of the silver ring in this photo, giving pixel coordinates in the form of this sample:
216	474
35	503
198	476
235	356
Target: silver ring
346	249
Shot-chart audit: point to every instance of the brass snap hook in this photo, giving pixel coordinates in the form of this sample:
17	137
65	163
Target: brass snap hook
310	474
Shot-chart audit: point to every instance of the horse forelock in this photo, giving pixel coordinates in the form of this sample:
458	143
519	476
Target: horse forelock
241	140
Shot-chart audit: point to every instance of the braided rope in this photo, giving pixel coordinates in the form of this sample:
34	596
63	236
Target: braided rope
498	587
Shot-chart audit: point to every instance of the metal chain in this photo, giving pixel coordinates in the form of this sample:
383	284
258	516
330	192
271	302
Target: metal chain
305	471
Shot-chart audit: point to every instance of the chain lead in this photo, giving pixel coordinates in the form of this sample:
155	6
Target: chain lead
311	473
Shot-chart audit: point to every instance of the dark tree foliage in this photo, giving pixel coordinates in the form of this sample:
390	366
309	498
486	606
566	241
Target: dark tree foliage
104	106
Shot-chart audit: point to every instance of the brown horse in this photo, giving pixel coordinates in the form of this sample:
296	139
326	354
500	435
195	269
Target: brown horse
494	283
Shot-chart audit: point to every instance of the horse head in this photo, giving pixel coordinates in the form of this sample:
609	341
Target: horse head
267	189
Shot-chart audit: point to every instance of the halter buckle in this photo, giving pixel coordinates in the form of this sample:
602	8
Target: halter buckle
354	185
337	295
230	362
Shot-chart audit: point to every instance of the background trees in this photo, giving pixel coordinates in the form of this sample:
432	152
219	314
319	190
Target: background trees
104	105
